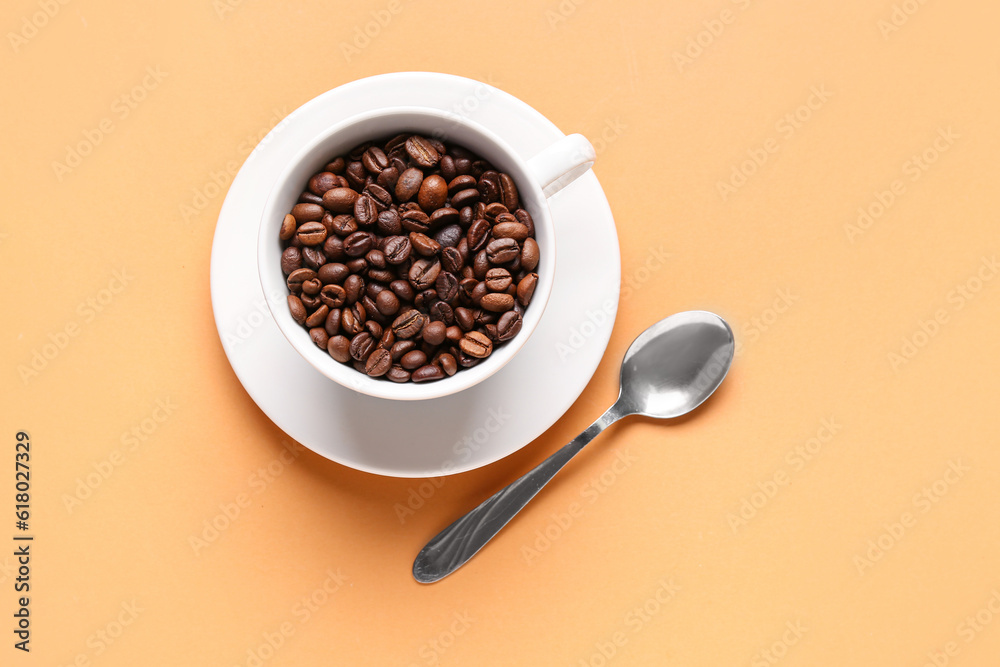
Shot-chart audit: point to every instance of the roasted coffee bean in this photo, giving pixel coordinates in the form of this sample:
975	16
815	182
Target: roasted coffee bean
333	295
400	348
388	339
446	286
318	318
453	333
484	317
333	248
332	324
449	235
356	174
381	275
447	167
478	234
433	332
358	151
354	285
497	280
379	195
415	221
422	151
291	260
413	360
374	160
444	216
526	288
460	183
343	225
427	373
297	278
451	260
403	289
509	325
397	249
374	328
494	211
481	264
398	374
339	348
466	214
497	302
310	301
359	243
424	272
365	211
322	182
529	255
409	184
379	362
476	344
307	213
387	303
501	251
489	186
525	219
375	258
358	265
288	226
360	313
508	192
432	194
336	165
388	178
319	336
424	299
313	257
296	308
466	197
448	364
408	325
311	233
424	245
388	223
340	200
511	230
362	345
441	311
464	319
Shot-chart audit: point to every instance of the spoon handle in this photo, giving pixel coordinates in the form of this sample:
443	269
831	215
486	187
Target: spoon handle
460	541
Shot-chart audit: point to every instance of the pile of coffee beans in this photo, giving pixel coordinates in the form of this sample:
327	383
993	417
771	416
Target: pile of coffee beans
409	259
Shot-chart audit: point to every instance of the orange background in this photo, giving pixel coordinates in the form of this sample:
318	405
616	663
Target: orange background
752	533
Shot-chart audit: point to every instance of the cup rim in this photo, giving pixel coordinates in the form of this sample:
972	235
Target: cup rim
268	261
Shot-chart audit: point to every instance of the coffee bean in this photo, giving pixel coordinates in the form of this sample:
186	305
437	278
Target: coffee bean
373	327
497	280
409	184
500	251
359	243
333	295
451	260
511	230
387	303
388	223
508	192
296	308
354	285
310	301
313	257
427	373
494	211
332	324
447	167
478	234
291	260
509	325
526	288
319	337
311	233
497	302
433	332
356	174
433	193
357	265
529	255
424	272
379	362
400	348
424	299
288	226
397	374
307	213
365	211
408	324
396	249
343	225
460	183
416	221
374	160
403	289
297	278
443	217
448	364
464	319
481	264
362	345
441	311
422	151
489	186
333	248
379	195
449	235
476	344
388	178
424	245
340	200
322	182
339	348
413	360
318	318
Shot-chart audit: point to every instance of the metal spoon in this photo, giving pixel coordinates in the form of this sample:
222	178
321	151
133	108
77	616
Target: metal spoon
668	371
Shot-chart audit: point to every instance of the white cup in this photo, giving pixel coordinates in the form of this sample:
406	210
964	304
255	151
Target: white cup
537	179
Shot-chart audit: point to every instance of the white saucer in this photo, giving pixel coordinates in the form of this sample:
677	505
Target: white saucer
440	436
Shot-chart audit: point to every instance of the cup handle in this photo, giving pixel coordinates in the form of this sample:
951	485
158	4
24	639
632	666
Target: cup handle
562	163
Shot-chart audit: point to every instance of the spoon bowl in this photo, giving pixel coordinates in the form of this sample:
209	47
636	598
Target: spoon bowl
675	365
